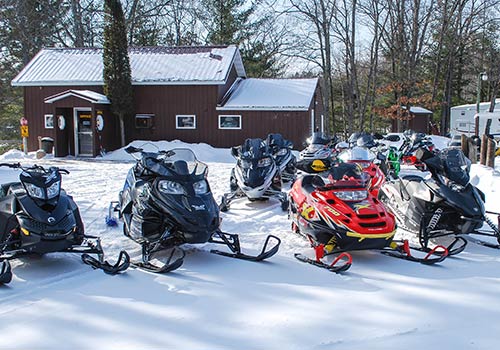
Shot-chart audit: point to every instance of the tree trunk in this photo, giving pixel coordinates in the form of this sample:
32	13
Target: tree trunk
122	130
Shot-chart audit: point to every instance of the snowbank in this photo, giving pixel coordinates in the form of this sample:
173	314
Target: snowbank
203	152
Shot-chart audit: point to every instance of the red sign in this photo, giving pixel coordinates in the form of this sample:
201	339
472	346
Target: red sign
23	121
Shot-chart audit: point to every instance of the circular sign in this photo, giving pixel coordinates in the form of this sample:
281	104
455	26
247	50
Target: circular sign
23	121
61	122
99	122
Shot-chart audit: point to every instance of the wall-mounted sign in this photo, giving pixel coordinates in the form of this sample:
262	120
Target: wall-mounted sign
99	122
61	122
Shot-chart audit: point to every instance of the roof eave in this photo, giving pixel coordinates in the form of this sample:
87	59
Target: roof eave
100	83
262	108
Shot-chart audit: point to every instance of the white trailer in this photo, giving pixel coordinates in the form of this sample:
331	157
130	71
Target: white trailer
462	119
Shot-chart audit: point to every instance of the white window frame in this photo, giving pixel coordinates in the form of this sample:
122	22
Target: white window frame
144	116
230	115
47	116
178	116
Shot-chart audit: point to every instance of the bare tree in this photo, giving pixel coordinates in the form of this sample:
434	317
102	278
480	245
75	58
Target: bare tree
314	42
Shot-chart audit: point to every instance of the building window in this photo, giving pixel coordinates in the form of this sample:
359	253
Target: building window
185	121
229	121
49	121
144	121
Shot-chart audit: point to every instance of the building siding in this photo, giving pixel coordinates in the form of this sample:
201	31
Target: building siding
165	102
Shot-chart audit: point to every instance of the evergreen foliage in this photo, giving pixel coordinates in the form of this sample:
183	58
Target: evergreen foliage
117	73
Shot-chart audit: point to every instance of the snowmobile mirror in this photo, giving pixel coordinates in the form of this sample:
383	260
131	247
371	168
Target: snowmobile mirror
234	152
392	138
132	149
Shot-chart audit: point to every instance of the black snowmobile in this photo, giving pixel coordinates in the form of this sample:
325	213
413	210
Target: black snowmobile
283	156
255	176
38	217
446	204
319	155
166	201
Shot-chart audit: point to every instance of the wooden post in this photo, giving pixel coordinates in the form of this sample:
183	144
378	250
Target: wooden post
484	148
472	151
464	143
490	155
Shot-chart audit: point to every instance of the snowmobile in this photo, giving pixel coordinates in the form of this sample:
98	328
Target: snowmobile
283	156
256	175
166	202
38	217
319	147
443	204
338	214
412	142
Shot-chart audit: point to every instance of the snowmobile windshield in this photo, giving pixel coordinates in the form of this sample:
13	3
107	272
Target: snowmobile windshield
347	175
318	138
255	153
180	161
456	166
357	155
366	140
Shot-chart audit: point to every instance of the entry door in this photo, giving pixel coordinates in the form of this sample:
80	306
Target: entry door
83	132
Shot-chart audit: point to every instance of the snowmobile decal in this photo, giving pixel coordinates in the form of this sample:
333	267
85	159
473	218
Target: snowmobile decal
363	236
361	205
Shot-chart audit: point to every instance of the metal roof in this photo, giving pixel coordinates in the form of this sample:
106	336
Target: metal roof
271	94
149	66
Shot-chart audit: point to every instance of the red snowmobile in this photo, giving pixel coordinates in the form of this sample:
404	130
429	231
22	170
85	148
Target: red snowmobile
339	214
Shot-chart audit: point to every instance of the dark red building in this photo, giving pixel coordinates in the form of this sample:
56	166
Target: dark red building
193	94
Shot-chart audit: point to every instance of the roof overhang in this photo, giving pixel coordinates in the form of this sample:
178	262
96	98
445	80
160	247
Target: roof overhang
91	96
264	108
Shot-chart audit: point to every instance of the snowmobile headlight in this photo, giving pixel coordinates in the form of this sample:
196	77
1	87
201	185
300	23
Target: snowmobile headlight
170	187
200	187
53	190
282	152
34	191
351	195
264	162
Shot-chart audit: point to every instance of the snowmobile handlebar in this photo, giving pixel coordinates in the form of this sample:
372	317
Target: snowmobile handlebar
9	165
34	167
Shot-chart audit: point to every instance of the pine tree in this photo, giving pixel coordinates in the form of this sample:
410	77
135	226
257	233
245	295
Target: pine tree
117	73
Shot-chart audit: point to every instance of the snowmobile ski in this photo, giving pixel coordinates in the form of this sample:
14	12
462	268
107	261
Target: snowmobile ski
403	251
232	241
341	263
5	272
121	264
166	267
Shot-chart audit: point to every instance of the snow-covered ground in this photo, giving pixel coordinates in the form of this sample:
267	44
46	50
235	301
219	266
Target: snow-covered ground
214	302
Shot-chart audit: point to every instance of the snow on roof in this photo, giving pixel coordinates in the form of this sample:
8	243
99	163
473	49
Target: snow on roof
473	105
88	95
149	66
419	110
271	94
